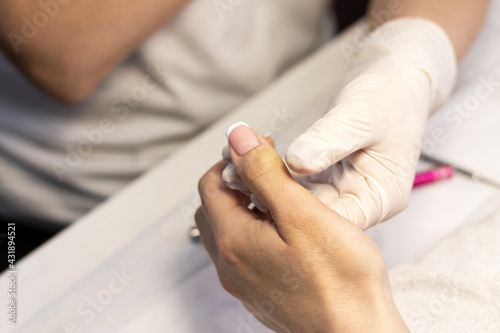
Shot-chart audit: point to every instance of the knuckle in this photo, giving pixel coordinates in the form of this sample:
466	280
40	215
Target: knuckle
199	216
227	252
202	184
228	285
207	186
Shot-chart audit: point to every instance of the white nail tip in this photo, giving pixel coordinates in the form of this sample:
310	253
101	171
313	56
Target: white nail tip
233	126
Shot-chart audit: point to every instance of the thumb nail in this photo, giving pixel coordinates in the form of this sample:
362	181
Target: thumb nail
241	138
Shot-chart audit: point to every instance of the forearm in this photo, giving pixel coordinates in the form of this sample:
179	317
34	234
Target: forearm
79	42
460	19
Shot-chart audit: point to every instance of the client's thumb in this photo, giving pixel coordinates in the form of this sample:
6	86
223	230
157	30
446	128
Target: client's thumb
262	169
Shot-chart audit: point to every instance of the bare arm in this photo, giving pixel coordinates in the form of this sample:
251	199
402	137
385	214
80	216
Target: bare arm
461	19
72	45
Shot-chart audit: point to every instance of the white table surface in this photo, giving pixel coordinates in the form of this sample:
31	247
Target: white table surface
143	230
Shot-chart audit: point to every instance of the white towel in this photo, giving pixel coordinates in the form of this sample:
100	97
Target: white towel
456	286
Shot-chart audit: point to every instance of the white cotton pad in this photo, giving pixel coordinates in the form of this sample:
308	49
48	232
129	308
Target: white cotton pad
226	155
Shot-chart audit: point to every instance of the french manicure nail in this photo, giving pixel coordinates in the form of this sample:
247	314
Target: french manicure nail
241	138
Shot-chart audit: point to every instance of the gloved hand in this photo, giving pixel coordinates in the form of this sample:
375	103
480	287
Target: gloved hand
364	151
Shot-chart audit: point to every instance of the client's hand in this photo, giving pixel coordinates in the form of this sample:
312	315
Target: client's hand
303	268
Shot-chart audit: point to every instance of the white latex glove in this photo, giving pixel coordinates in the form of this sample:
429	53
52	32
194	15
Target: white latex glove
367	146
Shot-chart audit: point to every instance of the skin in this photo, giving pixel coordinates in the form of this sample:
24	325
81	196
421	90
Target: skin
83	42
460	19
303	268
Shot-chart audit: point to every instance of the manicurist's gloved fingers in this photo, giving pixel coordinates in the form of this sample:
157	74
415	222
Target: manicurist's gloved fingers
264	173
369	192
405	70
221	204
337	135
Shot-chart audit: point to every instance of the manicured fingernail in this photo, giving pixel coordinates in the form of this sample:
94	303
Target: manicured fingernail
233	126
241	138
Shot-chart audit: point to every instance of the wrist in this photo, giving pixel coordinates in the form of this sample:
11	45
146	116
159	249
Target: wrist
420	44
369	309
